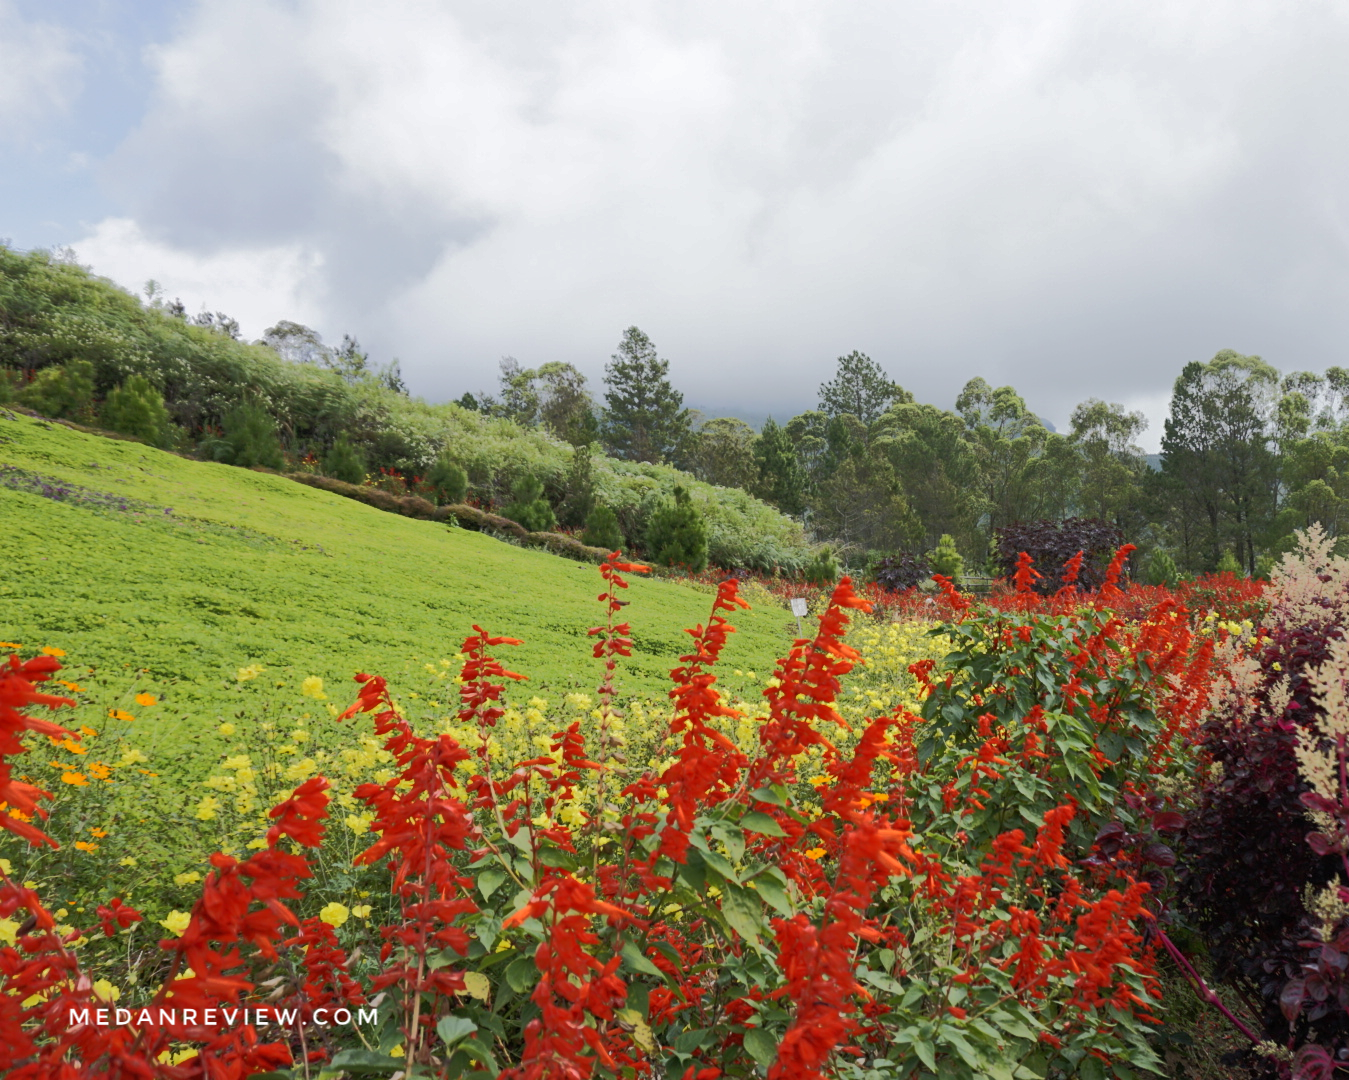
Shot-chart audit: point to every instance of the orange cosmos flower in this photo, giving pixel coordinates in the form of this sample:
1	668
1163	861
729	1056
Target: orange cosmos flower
146	699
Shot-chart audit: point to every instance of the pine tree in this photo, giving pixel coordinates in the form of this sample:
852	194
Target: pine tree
645	418
580	489
137	408
946	560
862	388
781	481
602	530
676	534
250	438
529	508
344	462
448	480
822	570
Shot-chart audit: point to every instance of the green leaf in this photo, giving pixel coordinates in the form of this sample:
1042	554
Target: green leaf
521	975
774	796
923	1048
733	838
453	1028
759	822
489	881
762	1047
721	865
775	895
480	1051
632	956
367	1062
963	1048
742	911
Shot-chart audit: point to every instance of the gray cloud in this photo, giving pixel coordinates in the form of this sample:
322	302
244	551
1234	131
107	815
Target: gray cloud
39	73
1074	198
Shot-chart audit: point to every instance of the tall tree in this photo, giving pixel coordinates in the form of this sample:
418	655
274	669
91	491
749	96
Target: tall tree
645	418
1112	464
1008	439
721	452
938	469
1217	452
780	480
860	387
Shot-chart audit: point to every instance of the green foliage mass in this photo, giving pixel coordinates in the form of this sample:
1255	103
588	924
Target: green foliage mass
602	529
250	439
448	480
946	560
823	569
209	568
529	508
137	408
56	316
344	462
62	390
677	535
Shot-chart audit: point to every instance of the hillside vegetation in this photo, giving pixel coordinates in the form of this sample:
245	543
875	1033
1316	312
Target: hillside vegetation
115	550
56	317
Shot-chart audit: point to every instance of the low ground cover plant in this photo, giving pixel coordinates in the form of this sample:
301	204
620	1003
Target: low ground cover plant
914	892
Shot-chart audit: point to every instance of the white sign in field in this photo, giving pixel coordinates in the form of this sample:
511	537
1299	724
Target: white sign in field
798	606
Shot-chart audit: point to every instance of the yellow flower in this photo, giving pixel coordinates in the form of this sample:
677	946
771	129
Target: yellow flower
176	922
5	867
130	860
250	672
334	914
105	991
146	700
226	729
9	931
207	808
190	877
256	845
239	761
313	687
52	650
397	1051
361	911
359	823
132	757
74	779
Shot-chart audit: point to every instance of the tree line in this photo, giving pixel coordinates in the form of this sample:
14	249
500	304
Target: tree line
1248	456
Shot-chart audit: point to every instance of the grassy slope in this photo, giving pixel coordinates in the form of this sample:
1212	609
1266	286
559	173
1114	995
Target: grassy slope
254	569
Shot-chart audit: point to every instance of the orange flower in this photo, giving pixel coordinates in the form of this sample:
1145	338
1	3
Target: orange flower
73	687
75	779
146	699
52	650
83	845
10	645
86	730
99	771
118	714
100	833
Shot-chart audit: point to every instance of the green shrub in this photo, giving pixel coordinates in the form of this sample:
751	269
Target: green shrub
602	529
677	535
448	480
580	501
1162	568
946	560
9	385
137	408
1228	563
822	570
250	439
344	462
529	508
62	391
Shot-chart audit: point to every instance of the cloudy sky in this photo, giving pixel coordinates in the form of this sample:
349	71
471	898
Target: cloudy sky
1072	197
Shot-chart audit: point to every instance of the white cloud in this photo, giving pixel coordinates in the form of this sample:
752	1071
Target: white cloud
1072	197
259	287
39	72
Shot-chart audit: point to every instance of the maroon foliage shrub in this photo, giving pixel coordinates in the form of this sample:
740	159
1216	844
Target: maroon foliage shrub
1050	544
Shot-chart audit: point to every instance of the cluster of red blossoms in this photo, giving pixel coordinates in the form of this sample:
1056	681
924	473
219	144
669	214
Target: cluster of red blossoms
595	893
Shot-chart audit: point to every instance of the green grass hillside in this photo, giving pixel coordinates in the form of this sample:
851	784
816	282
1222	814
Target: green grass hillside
174	574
